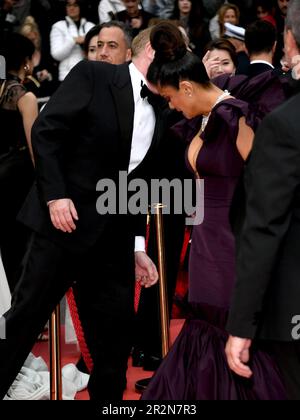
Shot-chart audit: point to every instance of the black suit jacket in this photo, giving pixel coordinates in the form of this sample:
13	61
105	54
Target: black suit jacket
267	292
257	68
82	136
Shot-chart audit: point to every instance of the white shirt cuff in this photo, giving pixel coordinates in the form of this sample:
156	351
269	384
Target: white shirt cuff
140	244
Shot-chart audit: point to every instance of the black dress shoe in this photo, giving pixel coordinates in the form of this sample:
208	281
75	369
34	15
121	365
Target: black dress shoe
137	358
151	363
142	384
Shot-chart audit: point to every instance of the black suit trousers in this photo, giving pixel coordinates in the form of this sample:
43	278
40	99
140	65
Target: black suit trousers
104	281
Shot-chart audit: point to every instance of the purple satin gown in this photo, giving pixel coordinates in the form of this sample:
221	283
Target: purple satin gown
196	366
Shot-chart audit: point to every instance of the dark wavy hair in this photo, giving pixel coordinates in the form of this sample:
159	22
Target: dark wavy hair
16	50
172	61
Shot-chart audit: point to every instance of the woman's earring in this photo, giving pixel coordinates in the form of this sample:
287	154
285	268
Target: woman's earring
26	68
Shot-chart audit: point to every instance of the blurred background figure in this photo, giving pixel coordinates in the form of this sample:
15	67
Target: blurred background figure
108	9
211	7
191	15
280	16
160	8
236	35
90	43
265	11
220	58
67	38
227	13
44	69
18	111
134	16
8	19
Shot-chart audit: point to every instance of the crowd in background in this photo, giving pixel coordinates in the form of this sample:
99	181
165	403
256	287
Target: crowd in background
57	28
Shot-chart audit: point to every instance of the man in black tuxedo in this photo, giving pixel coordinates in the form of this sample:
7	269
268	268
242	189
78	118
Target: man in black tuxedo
266	301
94	126
260	42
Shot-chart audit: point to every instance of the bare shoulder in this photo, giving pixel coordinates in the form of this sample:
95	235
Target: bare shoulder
28	97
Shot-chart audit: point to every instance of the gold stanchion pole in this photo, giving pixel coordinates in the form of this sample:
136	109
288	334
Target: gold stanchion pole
163	296
55	356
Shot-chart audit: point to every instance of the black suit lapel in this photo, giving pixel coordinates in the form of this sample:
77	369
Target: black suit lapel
123	99
158	130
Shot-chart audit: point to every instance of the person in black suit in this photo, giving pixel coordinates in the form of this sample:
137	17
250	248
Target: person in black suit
260	42
94	126
266	303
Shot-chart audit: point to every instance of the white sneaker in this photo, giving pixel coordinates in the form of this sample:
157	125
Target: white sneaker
28	386
37	364
72	374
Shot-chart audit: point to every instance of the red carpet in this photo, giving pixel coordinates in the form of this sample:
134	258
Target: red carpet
70	354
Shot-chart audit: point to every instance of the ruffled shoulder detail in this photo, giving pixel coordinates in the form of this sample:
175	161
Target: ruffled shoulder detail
227	113
263	93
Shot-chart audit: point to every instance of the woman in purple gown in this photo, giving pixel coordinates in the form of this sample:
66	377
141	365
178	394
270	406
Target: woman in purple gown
196	367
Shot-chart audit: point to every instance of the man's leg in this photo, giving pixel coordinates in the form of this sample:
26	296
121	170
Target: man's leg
105	303
44	281
287	356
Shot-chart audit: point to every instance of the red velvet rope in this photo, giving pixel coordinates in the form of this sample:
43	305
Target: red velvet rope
79	331
187	238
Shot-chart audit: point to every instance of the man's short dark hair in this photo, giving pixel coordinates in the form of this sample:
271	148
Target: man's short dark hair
121	25
260	37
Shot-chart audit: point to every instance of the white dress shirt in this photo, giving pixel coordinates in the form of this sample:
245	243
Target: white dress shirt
143	122
262	62
143	129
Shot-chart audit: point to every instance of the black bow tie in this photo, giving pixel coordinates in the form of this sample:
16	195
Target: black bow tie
145	91
153	99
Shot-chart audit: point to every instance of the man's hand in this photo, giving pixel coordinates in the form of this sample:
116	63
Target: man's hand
62	214
145	270
237	352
